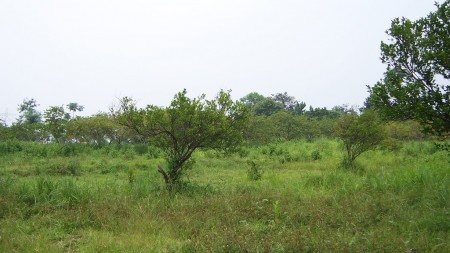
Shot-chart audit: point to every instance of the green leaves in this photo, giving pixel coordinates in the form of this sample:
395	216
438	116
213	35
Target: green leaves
186	125
360	133
55	120
29	114
415	85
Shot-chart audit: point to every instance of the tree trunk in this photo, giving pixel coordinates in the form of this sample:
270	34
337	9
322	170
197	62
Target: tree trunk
164	174
171	178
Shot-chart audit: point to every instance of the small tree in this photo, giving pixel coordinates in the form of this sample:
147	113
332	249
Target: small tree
267	107
74	107
185	126
359	133
29	125
55	121
252	99
28	112
289	103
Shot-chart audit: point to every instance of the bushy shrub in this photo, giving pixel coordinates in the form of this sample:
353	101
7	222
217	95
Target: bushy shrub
70	167
359	134
315	155
129	154
153	152
254	172
10	146
243	152
140	149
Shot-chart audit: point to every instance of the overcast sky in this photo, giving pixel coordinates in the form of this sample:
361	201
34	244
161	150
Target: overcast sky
94	51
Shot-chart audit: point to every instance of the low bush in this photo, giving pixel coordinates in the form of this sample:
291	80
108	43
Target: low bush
70	167
254	172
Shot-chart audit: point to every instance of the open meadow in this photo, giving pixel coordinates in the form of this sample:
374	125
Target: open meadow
280	197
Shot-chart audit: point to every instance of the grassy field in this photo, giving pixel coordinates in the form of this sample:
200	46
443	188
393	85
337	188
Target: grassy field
78	199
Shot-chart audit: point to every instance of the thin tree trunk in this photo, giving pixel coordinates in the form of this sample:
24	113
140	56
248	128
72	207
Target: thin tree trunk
164	174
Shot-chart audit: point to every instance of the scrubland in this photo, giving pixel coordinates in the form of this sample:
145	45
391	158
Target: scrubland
281	197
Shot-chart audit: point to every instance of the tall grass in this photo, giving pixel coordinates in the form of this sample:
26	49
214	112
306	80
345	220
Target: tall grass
113	200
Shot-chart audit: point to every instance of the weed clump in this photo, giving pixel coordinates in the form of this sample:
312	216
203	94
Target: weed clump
70	167
315	155
254	172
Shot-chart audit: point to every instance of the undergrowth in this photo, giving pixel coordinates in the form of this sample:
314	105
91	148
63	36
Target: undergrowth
113	199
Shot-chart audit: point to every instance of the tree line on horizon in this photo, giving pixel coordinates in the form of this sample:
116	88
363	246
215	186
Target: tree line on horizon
276	117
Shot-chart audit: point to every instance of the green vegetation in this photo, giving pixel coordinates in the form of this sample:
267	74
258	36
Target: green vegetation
260	175
415	85
257	175
186	126
82	198
359	133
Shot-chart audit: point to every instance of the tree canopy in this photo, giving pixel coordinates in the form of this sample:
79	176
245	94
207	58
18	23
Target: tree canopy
416	83
28	112
359	133
185	126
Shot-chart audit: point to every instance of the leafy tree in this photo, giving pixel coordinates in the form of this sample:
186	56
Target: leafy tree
322	128
404	130
359	133
3	131
289	103
287	125
415	85
321	113
252	99
345	109
74	107
55	121
185	126
260	130
29	124
97	130
27	132
298	108
267	107
28	112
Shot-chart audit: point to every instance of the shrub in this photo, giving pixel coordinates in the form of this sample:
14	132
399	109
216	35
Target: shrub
10	147
254	172
244	152
359	133
67	150
315	155
129	154
153	152
140	149
71	167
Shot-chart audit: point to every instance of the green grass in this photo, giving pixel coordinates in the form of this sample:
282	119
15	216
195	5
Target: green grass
114	200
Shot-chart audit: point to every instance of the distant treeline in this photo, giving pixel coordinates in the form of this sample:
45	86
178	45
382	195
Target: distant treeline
278	117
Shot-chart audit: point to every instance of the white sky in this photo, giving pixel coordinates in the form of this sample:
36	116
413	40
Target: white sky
95	51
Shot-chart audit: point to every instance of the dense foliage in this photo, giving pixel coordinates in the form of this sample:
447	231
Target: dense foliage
415	85
185	126
359	133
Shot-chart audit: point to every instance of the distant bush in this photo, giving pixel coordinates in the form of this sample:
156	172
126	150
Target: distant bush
140	149
59	193
359	134
10	146
254	172
60	167
315	155
67	150
243	152
129	154
154	152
